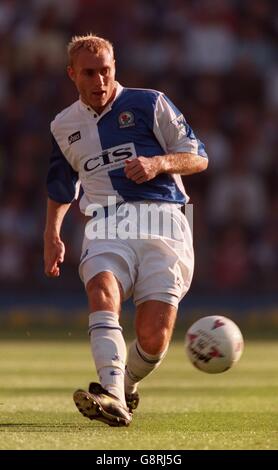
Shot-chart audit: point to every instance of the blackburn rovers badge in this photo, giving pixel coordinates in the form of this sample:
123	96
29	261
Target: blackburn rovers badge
126	119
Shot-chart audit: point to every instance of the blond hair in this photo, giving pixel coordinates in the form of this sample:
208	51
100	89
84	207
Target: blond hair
90	42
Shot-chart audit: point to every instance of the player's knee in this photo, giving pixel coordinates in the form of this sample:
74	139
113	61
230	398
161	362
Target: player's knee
104	293
154	343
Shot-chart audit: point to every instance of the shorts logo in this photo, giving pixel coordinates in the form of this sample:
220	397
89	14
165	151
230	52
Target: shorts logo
74	137
126	119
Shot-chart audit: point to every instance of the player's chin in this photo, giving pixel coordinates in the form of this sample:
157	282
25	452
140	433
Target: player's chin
98	98
53	273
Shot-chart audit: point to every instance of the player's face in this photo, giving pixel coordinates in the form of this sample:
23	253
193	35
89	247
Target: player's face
94	77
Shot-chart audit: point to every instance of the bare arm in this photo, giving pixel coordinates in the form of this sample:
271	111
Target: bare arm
54	248
143	169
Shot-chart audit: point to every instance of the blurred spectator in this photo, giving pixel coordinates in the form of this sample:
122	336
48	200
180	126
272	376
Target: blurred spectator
8	14
230	269
44	41
210	38
237	195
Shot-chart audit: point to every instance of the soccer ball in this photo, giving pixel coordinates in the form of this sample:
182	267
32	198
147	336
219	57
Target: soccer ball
214	344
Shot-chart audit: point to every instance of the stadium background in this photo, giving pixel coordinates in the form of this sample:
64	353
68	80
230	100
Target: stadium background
216	60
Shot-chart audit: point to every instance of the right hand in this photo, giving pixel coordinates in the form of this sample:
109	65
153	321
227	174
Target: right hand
54	252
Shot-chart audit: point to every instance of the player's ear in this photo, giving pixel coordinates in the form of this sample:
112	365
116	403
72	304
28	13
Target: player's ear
71	73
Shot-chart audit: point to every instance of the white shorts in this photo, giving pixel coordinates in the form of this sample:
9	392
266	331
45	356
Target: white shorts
159	268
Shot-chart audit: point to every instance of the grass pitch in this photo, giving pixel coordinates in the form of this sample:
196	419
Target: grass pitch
181	408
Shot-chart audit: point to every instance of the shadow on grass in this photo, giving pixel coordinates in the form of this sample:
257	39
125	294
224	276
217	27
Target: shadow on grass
32	427
35	390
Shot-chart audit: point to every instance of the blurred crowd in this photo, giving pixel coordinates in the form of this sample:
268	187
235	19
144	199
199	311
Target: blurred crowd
215	59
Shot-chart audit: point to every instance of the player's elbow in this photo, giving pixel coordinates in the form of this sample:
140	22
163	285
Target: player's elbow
202	164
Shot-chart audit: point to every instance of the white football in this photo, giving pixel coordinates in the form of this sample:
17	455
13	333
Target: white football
214	344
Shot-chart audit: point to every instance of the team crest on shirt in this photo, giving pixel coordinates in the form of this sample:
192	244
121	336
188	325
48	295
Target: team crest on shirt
126	119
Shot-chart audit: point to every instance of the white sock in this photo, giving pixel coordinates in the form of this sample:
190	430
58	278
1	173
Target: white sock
139	365
109	351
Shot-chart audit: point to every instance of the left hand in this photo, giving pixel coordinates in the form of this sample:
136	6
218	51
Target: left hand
142	169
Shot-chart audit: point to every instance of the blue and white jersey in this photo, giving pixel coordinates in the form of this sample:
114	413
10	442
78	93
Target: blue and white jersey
91	149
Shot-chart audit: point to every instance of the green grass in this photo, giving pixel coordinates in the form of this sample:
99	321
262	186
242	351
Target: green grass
181	408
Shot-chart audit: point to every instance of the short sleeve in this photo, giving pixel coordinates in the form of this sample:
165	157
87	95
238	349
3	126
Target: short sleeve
62	180
172	131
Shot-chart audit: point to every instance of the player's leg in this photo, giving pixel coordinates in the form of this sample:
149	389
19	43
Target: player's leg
107	343
154	322
107	283
105	292
164	276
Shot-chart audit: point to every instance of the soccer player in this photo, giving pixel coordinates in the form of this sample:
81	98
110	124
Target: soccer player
128	146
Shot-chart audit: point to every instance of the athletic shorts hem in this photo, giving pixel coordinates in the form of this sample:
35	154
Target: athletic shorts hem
167	298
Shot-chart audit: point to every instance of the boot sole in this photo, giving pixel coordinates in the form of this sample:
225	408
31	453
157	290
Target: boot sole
90	407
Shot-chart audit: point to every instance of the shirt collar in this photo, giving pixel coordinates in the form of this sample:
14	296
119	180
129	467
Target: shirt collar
119	89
